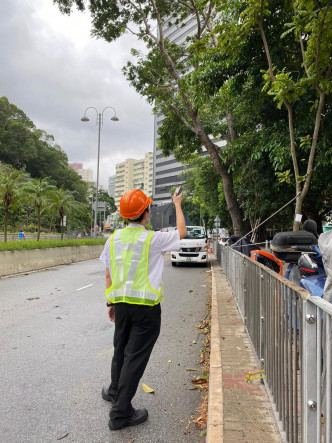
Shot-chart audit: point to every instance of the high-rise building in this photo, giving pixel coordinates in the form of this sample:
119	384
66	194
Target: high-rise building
86	174
76	166
143	174
132	174
111	186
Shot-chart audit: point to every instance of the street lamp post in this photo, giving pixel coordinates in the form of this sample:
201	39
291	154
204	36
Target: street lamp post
100	116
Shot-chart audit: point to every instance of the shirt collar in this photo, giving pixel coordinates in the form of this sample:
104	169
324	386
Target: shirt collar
135	225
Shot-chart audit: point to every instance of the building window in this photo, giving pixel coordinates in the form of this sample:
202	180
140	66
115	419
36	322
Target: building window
167	162
170	179
163	189
166	171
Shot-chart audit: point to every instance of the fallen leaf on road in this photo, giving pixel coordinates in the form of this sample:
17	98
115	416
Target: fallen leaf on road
62	436
169	361
132	440
194	341
199	381
191	291
191	369
238	348
193	388
147	389
187	427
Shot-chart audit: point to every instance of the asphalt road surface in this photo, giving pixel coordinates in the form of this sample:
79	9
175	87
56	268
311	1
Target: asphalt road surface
56	348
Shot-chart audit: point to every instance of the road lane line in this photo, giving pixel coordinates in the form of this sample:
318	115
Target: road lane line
83	287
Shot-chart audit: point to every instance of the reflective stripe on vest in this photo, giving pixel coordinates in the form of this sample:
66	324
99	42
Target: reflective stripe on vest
129	252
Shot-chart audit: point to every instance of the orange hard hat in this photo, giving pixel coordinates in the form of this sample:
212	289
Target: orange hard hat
133	203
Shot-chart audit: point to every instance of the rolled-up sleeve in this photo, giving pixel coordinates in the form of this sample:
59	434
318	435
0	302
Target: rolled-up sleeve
165	241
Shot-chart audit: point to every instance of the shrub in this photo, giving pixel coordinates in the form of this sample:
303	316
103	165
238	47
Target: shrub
43	244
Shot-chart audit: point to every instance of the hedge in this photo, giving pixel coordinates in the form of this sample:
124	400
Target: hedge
20	245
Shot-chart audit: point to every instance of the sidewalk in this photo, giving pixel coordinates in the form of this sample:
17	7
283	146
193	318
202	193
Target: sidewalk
238	411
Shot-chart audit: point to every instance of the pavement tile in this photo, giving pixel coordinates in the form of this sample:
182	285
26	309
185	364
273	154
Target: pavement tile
247	412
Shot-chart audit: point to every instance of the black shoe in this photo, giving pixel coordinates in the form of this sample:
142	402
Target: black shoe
140	415
106	396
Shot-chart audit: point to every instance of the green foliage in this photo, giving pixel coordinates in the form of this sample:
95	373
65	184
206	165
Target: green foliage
253	76
104	196
18	245
63	203
33	165
24	146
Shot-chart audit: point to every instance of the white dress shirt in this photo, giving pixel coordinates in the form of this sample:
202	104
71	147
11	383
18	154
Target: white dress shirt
160	243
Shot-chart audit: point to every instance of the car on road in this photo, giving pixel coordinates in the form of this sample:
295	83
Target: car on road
193	248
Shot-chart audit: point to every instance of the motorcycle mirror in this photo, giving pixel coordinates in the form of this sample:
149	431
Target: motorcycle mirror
311	226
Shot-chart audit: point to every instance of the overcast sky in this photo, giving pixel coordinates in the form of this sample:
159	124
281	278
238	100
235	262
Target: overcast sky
53	70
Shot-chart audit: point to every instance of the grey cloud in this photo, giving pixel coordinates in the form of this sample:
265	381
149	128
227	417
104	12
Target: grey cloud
54	78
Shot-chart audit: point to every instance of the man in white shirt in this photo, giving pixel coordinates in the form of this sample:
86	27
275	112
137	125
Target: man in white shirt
134	260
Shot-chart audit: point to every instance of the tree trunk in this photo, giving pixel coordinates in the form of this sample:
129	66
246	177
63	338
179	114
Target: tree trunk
298	210
61	228
227	180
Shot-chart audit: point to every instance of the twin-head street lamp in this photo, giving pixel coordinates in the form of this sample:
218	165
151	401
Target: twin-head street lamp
100	117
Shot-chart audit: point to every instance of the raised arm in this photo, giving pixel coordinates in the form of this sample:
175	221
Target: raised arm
180	221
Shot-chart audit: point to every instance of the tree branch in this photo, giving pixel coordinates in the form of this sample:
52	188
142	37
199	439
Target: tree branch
301	45
313	145
207	17
208	25
184	120
145	20
266	48
198	34
132	32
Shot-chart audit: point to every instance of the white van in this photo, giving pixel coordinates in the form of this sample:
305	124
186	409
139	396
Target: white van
193	248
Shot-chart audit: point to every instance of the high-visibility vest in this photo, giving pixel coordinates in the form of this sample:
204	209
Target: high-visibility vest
129	252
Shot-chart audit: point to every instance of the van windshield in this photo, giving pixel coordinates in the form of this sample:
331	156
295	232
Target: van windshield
195	233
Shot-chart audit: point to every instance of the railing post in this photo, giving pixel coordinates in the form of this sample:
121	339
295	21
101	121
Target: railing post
262	329
309	373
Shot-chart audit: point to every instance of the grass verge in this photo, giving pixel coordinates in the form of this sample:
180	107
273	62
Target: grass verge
20	245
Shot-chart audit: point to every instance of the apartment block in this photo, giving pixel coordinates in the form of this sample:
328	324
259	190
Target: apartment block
111	186
86	174
132	174
76	166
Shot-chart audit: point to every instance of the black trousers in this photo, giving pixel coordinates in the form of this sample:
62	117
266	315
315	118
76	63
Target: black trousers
136	331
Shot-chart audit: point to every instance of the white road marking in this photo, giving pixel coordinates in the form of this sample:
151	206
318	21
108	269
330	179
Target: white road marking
83	287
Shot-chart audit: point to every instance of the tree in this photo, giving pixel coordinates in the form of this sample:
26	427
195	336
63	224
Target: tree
166	75
104	196
305	79
22	145
10	193
63	203
37	192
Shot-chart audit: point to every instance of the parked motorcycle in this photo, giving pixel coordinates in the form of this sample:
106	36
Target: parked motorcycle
299	249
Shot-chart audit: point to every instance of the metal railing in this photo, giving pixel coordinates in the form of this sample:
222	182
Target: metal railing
291	333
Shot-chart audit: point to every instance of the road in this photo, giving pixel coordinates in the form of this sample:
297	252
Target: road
56	351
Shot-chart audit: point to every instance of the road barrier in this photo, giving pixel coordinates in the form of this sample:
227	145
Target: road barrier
291	333
13	262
